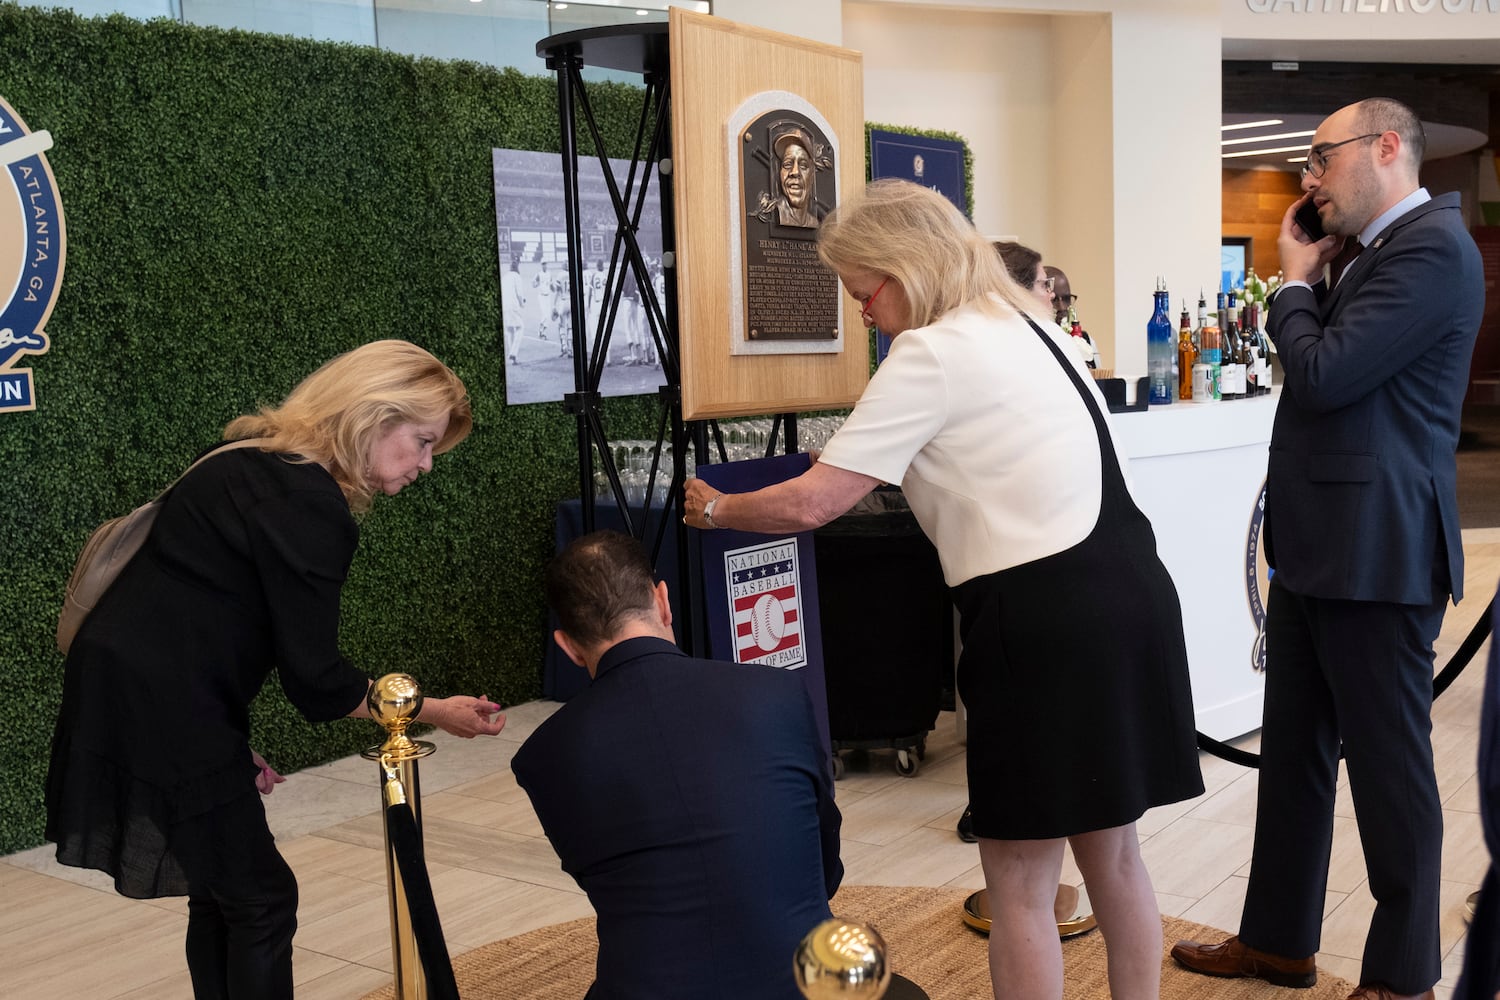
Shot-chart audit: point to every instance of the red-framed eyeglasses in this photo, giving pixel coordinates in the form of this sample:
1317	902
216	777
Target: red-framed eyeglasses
864	309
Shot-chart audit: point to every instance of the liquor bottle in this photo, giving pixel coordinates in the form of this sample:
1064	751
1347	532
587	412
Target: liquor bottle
1202	315
1176	379
1159	349
1187	355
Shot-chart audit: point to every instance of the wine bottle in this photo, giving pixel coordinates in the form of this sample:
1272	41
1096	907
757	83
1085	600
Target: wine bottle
1233	371
1265	362
1251	353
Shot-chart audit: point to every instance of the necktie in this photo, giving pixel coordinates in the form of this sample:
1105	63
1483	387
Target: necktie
1351	249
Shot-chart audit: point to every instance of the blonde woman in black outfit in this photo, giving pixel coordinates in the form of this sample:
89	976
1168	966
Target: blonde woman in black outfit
241	575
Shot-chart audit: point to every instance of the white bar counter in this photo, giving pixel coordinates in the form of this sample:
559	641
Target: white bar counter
1198	470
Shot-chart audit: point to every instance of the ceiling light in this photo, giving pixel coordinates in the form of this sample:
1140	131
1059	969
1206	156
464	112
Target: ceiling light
1268	121
1259	152
1267	138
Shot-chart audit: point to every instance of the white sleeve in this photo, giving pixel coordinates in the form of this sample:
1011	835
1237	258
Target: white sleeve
902	409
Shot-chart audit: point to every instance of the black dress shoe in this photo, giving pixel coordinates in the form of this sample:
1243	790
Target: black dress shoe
966	827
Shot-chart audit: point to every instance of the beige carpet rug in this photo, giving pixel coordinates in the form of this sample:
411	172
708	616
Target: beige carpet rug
927	940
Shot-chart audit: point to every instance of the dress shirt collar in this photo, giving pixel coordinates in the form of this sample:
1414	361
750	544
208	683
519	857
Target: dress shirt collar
1377	225
633	649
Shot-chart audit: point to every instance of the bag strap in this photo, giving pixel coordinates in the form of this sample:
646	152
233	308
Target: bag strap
229	446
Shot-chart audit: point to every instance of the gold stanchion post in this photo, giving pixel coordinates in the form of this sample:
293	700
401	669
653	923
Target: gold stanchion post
841	960
394	701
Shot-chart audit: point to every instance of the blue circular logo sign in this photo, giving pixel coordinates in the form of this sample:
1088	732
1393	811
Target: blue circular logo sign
32	248
1257	580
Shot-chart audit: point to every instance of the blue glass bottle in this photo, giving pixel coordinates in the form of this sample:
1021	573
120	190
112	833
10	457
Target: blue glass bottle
1159	349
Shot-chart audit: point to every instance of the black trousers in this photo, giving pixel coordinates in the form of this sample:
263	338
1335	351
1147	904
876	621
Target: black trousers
242	908
1356	673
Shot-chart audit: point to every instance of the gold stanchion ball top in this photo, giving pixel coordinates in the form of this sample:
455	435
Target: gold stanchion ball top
841	959
394	700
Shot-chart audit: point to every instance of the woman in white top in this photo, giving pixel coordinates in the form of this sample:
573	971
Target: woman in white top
998	439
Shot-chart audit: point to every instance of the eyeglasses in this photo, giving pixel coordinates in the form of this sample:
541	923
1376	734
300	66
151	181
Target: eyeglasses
1046	283
864	307
1317	159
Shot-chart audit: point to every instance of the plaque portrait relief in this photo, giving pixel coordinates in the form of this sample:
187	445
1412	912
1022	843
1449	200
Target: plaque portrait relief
789	302
793	177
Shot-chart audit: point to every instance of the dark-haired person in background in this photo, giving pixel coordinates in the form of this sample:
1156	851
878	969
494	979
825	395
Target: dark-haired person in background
1062	302
691	799
1024	265
1361	528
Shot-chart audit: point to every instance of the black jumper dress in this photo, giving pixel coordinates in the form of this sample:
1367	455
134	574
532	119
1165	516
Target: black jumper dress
1074	672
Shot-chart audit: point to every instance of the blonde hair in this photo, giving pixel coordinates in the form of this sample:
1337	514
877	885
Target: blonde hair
335	414
919	238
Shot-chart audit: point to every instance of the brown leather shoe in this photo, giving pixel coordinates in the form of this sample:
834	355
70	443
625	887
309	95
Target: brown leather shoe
1233	960
1375	992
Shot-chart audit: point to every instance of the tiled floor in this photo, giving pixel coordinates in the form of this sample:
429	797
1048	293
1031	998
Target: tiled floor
65	934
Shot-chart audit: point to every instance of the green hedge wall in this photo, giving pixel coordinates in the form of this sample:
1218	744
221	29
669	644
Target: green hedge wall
240	208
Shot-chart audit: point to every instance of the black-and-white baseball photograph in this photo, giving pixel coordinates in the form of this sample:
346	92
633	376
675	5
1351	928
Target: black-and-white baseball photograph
535	302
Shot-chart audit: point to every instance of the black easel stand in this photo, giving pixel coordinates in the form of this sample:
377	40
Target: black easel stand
642	49
632	48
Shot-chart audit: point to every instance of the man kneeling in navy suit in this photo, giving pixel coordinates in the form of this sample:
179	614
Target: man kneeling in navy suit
691	799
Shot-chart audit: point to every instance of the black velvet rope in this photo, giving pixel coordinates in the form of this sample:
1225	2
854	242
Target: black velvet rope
1444	679
406	844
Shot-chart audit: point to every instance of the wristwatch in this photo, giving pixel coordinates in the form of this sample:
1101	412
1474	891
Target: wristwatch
708	512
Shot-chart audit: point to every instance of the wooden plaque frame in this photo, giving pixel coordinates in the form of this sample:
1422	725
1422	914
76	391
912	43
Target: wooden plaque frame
717	66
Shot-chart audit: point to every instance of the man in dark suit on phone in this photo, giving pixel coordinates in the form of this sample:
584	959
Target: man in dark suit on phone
691	799
1361	526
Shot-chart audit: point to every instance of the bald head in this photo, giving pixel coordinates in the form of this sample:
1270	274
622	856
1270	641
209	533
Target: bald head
1365	157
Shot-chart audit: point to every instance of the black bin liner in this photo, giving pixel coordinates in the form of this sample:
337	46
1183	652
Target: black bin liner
887	622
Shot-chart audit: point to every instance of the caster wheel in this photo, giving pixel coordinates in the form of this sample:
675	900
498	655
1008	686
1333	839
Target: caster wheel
906	764
838	767
922	748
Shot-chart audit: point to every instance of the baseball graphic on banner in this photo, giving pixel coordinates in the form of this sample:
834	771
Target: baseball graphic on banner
764	605
767	622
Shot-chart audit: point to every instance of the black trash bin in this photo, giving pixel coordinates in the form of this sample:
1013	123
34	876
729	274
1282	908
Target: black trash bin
887	630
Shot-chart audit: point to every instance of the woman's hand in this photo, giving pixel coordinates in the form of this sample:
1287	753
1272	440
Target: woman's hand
801	503
463	716
695	495
267	779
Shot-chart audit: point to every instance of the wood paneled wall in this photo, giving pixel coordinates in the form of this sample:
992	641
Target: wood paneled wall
1254	202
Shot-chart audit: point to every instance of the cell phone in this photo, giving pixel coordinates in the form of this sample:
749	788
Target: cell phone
1307	218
